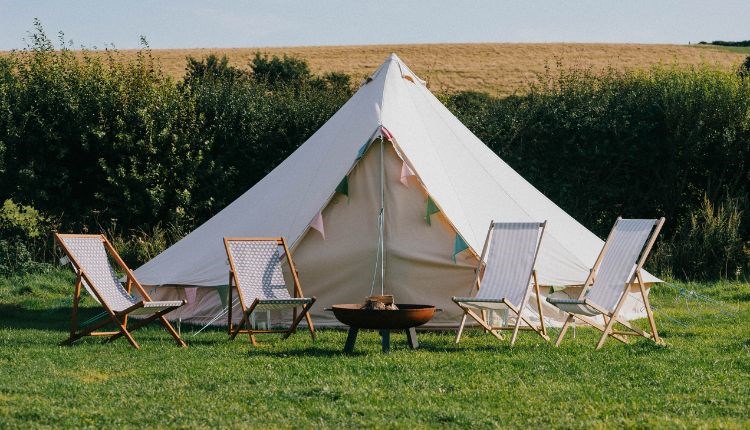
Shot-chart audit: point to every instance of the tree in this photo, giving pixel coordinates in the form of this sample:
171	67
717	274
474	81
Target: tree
211	67
275	70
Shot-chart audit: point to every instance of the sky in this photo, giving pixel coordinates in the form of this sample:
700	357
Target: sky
227	24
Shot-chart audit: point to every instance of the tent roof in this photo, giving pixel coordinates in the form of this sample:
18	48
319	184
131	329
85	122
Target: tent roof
469	182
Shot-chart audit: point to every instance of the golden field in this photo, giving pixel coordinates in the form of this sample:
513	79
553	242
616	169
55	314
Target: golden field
496	68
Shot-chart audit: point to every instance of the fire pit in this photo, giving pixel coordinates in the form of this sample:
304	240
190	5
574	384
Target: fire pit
404	317
407	316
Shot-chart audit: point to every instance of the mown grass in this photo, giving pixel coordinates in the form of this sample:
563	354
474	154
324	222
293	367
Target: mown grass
699	380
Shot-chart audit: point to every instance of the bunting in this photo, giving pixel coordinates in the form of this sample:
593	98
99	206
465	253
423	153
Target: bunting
459	245
223	291
190	294
343	187
386	134
317	224
431	209
553	289
405	173
362	150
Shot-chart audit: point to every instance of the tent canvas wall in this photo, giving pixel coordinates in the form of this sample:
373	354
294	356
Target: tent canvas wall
393	126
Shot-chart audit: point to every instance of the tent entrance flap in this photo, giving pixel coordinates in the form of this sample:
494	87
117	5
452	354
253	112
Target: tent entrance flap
418	266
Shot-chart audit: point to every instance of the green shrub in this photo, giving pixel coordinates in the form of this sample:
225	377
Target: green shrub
138	246
276	71
708	243
24	238
211	67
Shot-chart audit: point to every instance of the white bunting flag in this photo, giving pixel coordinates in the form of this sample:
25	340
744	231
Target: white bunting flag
405	173
317	224
190	294
386	134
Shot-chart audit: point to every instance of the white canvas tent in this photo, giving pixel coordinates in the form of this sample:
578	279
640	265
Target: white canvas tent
429	160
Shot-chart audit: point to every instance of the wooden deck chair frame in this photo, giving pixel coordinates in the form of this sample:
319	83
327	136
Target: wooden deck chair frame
248	308
541	330
613	317
118	318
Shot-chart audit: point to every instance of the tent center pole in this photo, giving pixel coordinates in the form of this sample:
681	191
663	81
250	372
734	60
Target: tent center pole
382	215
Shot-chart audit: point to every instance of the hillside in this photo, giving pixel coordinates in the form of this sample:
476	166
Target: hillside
497	68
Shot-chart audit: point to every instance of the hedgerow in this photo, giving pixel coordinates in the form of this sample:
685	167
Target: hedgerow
101	143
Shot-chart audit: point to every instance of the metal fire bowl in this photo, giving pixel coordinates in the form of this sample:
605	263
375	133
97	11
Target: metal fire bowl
406	316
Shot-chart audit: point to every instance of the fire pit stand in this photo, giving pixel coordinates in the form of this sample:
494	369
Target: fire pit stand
385	334
406	318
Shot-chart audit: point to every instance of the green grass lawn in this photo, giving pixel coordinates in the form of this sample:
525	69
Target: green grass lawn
700	379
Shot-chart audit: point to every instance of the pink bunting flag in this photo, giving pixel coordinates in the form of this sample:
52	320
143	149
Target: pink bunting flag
190	294
405	173
387	134
317	224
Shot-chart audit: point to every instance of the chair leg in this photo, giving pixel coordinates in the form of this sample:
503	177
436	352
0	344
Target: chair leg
246	320
171	331
605	333
85	332
516	327
650	314
299	318
564	329
74	316
600	327
310	326
539	331
147	321
484	324
237	329
461	327
124	332
539	308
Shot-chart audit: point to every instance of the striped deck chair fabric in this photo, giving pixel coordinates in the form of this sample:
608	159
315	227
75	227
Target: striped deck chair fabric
510	253
618	267
89	256
257	274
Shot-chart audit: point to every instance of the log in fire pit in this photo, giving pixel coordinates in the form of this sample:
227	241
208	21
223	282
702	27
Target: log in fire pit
380	313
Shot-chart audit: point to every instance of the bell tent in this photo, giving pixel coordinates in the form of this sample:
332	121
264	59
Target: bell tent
393	193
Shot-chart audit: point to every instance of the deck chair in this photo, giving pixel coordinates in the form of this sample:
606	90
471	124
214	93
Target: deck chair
88	255
510	251
255	270
605	291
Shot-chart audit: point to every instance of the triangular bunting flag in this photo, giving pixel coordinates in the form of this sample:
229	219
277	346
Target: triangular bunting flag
223	291
362	150
431	209
386	134
459	245
553	289
317	224
343	187
190	294
405	173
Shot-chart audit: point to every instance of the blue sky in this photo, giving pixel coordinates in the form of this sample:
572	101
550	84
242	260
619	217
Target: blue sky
188	24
